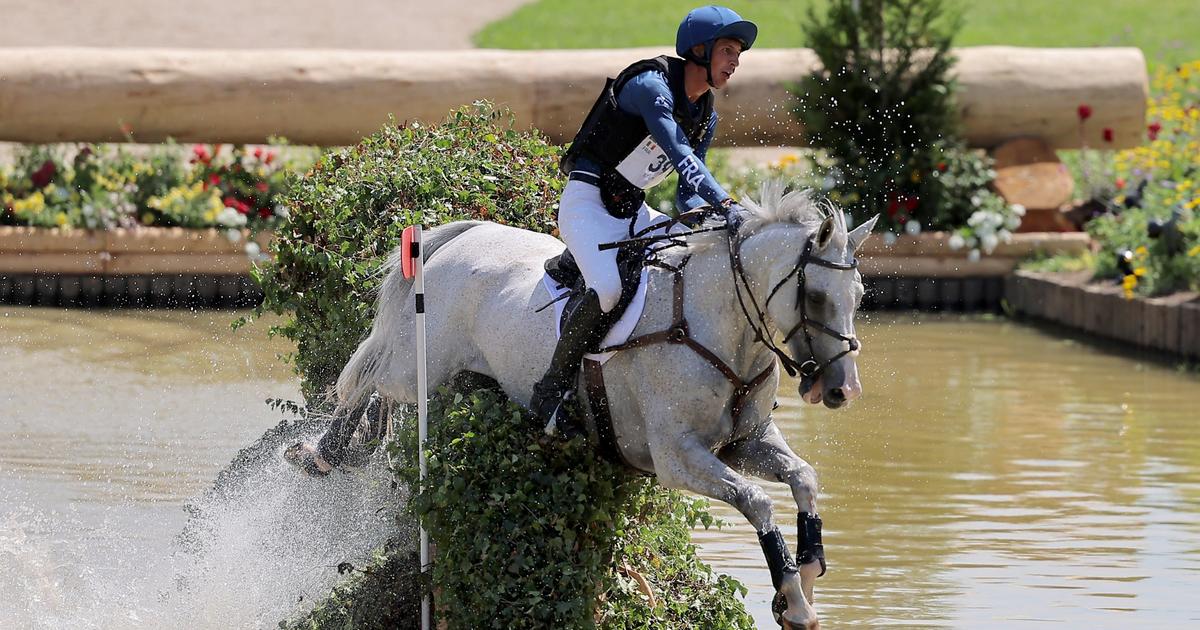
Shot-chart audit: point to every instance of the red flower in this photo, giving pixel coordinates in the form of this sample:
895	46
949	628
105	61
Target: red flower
942	167
214	179
910	203
201	153
1108	134
262	186
1085	112
1153	130
44	175
258	152
265	213
1120	183
237	204
270	158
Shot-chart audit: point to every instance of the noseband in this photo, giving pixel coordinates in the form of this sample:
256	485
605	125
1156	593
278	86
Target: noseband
811	368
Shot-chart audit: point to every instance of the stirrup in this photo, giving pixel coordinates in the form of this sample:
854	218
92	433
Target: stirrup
553	427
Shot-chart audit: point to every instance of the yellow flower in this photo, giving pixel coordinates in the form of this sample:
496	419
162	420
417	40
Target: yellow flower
147	219
1195	251
1139	271
1128	284
1141	251
61	219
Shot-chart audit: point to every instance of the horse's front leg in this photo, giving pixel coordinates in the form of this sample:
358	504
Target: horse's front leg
682	462
769	457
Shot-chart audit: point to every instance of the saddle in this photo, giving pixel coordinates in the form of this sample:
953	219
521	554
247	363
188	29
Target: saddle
564	270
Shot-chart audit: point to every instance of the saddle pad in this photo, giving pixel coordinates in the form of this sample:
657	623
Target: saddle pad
620	331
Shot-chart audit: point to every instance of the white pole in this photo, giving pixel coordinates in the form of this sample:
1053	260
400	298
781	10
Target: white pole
422	400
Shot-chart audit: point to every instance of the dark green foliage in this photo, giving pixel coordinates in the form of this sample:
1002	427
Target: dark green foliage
532	532
348	211
882	108
384	595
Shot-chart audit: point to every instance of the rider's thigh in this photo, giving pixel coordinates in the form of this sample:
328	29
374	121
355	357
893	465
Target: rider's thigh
648	216
583	224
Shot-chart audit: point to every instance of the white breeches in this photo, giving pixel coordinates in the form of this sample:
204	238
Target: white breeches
584	224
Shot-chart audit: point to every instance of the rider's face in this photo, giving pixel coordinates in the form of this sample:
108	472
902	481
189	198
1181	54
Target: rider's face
725	56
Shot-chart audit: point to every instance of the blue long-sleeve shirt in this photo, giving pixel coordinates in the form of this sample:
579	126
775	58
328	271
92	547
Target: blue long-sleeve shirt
649	96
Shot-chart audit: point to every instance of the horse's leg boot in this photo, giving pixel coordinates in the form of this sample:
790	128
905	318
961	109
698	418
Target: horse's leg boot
582	331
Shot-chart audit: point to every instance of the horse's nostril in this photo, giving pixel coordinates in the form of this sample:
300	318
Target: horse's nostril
836	395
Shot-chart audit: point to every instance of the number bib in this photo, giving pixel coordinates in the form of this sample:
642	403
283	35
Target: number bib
646	166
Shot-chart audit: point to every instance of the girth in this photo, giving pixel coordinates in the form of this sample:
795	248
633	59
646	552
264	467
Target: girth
678	333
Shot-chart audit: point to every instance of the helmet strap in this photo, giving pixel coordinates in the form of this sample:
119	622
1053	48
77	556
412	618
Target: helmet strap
708	48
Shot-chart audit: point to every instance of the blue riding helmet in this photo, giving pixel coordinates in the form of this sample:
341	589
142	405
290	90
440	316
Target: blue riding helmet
706	25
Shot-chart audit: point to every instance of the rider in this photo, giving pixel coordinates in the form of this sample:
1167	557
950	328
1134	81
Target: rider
656	116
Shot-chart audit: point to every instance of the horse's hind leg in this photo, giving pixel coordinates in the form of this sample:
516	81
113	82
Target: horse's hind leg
685	463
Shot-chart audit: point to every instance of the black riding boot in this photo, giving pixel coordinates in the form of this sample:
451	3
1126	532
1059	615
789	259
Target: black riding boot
581	332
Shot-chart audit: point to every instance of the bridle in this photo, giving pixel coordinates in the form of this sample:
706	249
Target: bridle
811	368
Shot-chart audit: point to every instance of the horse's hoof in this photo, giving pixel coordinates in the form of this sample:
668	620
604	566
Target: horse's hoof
779	606
305	457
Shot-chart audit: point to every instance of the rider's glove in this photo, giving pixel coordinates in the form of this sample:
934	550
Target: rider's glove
734	214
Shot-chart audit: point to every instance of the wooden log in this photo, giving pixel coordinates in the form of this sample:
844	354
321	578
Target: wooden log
335	97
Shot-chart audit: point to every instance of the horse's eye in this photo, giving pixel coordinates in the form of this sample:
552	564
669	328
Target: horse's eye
816	298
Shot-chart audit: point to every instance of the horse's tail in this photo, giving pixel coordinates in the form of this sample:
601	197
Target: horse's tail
359	377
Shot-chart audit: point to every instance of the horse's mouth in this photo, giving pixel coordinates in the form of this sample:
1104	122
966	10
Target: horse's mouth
810	390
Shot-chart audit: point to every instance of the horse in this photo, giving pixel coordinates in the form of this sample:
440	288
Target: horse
779	287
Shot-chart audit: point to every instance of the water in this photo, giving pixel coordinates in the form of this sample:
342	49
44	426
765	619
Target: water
994	475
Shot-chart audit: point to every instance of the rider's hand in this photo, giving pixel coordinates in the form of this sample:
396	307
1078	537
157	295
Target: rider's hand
734	213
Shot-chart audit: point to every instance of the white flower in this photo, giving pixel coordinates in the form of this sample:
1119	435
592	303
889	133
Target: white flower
234	235
957	241
973	255
889	238
664	206
282	211
1012	223
989	242
252	249
1005	236
976	200
1018	209
913	227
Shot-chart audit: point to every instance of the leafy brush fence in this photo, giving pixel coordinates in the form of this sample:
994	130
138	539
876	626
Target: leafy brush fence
529	532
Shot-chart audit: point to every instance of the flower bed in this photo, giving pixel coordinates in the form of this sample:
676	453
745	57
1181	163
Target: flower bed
94	186
1144	202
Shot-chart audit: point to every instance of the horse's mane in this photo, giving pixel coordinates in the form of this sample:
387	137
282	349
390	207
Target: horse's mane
775	205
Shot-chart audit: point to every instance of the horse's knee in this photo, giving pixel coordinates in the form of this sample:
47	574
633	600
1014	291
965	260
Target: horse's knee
755	504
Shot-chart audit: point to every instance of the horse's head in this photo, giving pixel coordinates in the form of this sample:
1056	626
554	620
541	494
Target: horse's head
800	264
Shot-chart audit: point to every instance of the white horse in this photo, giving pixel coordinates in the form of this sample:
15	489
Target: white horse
783	290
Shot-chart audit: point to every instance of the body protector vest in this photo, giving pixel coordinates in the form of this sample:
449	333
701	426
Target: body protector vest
630	160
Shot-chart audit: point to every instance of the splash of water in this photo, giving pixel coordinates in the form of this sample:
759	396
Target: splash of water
247	560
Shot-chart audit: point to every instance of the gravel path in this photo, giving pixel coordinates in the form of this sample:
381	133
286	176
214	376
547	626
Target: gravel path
360	24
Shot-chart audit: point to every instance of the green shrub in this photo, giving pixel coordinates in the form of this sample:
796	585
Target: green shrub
882	108
348	211
532	532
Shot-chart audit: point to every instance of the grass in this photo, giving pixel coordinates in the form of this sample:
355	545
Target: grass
1164	30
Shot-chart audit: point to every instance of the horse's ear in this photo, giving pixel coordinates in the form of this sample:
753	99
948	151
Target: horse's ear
859	235
825	233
